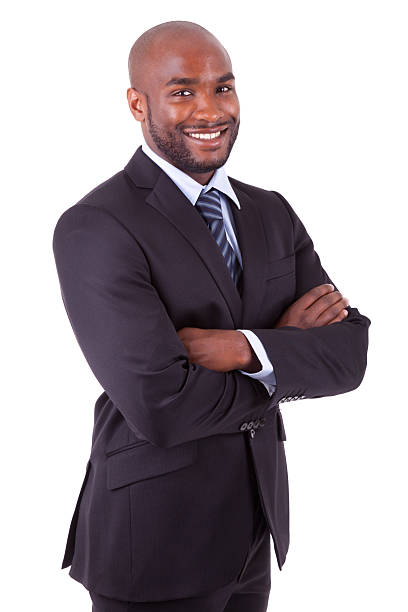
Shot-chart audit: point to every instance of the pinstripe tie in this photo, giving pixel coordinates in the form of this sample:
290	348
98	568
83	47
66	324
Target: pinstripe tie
209	206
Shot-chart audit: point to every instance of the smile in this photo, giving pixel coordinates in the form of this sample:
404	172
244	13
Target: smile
213	137
205	136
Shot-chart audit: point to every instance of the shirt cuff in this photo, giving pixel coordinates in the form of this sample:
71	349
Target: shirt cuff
266	375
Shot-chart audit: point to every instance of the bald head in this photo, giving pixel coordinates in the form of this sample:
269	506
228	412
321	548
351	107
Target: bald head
168	37
182	83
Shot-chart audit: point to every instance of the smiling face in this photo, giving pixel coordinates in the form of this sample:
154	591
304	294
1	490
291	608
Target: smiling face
188	109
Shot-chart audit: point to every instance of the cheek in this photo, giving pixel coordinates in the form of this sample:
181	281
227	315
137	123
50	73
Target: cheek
231	106
172	114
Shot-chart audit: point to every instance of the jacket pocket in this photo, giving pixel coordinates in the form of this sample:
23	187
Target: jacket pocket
141	460
280	267
128	446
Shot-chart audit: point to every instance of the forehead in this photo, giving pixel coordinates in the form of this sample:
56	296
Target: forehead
200	60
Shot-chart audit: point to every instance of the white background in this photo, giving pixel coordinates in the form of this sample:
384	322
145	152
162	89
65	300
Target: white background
323	93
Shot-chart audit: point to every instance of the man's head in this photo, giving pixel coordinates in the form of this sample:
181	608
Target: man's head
182	84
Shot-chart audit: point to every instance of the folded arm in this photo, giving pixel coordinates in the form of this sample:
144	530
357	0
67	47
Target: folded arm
322	353
319	361
130	343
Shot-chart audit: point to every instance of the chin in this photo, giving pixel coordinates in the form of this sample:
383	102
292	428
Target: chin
212	157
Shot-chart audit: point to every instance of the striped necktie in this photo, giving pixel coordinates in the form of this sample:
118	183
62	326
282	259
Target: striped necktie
209	206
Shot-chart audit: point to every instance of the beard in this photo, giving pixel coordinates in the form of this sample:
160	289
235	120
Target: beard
173	146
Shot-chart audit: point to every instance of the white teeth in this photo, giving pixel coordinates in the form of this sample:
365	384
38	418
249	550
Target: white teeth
206	136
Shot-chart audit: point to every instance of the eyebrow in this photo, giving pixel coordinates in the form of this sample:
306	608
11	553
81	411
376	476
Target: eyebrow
188	81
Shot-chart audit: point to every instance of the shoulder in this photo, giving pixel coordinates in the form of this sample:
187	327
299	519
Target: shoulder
107	199
109	192
98	210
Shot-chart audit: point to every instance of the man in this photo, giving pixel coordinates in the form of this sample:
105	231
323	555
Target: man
200	304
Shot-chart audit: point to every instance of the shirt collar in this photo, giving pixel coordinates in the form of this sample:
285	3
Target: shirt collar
191	188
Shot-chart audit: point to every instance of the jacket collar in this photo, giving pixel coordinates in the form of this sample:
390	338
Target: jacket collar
190	187
168	199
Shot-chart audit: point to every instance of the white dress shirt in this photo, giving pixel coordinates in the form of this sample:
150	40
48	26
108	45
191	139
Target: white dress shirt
192	189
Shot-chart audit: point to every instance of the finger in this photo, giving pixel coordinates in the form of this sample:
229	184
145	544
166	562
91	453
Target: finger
340	317
314	294
322	304
332	312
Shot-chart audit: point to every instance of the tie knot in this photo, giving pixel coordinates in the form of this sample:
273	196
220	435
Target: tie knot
209	205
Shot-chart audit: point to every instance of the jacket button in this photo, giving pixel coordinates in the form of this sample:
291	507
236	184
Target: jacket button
257	423
262	421
250	424
244	426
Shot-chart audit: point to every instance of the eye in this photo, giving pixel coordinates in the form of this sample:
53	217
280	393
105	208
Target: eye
182	91
227	87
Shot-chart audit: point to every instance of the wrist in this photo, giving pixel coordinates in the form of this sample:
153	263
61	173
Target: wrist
249	362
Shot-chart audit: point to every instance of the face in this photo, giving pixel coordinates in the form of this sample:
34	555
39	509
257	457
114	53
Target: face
190	113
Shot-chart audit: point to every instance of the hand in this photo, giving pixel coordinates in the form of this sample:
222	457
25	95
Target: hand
318	307
216	349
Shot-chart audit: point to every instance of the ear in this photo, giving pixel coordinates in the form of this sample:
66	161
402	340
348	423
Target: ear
137	103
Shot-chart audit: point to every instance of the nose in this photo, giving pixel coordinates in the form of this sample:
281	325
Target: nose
208	109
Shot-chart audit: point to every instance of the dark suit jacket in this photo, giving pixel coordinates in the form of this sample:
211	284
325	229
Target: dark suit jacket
166	508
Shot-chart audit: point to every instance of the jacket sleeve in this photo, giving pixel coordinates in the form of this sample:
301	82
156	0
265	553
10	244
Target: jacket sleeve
131	344
318	361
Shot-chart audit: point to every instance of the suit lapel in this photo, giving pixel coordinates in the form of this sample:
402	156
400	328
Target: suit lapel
252	243
167	199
